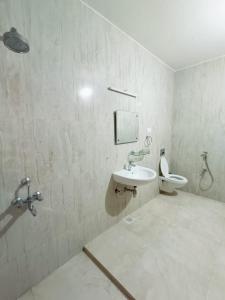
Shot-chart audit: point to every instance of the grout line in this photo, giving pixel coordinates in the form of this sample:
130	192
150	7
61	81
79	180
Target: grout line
113	279
128	36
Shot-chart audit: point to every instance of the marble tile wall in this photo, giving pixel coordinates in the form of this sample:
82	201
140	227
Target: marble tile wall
63	138
199	125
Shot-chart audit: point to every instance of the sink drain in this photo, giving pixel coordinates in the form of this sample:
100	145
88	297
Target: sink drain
129	220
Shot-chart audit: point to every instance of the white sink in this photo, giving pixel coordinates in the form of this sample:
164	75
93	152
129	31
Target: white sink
136	176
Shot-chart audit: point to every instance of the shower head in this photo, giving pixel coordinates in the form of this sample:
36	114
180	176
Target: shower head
15	42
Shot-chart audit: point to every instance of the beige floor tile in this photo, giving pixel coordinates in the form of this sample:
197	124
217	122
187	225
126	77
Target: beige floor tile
78	279
171	250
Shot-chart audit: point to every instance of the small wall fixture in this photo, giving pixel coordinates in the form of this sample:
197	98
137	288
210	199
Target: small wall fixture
123	92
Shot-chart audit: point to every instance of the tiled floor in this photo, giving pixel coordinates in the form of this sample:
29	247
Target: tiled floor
78	279
173	249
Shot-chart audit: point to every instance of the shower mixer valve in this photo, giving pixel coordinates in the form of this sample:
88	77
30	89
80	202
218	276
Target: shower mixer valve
27	202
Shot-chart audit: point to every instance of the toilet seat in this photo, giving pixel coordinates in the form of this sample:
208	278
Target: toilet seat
175	178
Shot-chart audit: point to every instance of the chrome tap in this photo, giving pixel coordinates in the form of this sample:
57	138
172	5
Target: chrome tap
28	202
129	166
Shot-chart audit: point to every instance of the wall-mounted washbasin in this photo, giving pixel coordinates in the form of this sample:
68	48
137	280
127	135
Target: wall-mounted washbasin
136	176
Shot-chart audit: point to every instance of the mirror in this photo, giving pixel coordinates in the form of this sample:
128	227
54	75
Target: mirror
126	127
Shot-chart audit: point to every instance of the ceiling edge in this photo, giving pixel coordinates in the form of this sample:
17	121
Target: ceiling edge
128	36
200	63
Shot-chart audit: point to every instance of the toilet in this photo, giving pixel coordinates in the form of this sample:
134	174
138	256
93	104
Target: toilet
169	182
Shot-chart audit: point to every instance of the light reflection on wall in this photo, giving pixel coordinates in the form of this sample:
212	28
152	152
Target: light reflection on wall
85	93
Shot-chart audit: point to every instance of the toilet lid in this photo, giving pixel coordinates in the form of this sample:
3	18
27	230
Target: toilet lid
164	166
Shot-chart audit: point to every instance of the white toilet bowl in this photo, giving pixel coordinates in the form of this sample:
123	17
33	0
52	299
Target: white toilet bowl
169	182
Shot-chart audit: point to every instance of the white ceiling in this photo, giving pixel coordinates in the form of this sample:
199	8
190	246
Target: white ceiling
179	32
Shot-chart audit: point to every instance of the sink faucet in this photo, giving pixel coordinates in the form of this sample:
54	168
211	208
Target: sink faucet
129	166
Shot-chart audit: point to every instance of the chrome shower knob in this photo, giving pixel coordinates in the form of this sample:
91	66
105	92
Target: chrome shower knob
25	181
37	196
18	202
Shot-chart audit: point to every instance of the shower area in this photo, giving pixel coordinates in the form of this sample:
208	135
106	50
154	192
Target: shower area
15	41
57	151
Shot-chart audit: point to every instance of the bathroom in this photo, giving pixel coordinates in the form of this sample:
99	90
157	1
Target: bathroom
112	137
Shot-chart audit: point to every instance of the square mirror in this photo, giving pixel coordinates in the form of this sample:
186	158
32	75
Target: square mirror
126	127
